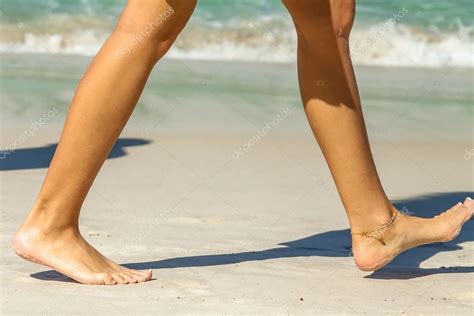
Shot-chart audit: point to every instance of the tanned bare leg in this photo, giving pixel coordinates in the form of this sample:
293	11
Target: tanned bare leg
100	109
331	101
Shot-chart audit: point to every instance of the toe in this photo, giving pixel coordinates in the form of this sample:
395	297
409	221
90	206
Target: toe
467	210
455	208
119	278
144	274
130	277
468	203
461	213
106	278
141	277
147	274
453	220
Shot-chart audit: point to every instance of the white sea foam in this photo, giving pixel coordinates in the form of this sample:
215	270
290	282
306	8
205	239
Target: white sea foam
398	45
402	46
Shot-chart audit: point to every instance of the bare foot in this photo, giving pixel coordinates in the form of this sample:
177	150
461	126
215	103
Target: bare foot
408	232
68	253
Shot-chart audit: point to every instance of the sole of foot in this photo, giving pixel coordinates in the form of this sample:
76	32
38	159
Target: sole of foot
409	232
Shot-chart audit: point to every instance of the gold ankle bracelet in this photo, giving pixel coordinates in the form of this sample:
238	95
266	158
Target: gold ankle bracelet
371	233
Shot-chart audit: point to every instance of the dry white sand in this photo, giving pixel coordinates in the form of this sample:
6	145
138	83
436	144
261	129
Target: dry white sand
262	234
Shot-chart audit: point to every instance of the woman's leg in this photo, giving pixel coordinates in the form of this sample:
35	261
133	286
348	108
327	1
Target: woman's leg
330	96
100	109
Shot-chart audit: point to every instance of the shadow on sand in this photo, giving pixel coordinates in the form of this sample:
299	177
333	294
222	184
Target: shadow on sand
335	244
40	157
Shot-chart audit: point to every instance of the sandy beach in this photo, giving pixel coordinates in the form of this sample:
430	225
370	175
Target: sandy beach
258	232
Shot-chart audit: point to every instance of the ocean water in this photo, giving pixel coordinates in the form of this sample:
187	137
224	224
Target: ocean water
416	33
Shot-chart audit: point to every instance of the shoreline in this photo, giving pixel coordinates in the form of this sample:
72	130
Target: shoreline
226	97
178	59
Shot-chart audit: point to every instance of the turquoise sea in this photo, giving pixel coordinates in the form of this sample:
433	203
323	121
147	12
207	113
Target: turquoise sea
430	33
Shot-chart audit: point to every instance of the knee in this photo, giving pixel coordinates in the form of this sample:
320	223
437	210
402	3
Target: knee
155	22
343	15
322	18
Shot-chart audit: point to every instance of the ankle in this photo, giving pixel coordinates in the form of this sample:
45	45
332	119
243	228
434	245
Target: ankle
38	232
370	218
48	221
